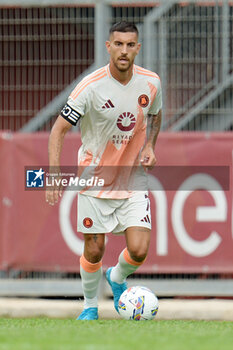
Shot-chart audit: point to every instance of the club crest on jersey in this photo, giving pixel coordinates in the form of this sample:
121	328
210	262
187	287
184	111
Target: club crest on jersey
126	121
143	100
87	222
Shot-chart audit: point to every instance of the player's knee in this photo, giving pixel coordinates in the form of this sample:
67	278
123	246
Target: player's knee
138	254
95	253
94	250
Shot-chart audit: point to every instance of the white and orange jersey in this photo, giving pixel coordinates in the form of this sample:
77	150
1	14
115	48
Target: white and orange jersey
113	118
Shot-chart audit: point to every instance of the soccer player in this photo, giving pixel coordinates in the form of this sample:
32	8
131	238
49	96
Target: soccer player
113	105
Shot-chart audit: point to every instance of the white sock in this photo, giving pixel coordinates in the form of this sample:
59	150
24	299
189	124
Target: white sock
125	267
91	275
90	302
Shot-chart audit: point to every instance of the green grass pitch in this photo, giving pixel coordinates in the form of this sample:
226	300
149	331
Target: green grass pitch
67	334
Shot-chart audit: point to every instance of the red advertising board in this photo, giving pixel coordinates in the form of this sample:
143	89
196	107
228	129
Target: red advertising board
192	229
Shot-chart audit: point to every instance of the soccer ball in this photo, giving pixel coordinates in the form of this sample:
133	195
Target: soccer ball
138	303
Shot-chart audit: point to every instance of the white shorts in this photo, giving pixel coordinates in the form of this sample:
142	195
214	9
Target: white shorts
100	215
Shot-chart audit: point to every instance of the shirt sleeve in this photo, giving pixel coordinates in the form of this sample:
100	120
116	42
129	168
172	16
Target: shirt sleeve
76	105
157	103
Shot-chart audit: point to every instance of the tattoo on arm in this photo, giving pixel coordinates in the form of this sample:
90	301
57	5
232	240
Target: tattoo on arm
154	127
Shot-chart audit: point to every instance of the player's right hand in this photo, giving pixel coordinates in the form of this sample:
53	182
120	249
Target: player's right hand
53	194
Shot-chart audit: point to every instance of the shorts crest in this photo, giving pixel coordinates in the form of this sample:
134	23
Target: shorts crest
87	222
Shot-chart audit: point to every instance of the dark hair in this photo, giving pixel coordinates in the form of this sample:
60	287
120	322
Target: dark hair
123	27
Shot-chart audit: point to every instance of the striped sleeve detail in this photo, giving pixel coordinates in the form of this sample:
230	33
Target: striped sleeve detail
146	72
101	73
108	71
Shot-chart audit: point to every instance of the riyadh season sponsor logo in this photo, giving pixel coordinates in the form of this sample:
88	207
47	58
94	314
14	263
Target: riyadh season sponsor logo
126	121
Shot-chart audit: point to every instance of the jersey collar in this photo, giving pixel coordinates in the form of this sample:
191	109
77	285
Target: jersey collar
117	82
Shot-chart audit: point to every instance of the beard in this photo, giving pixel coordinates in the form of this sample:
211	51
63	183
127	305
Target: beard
122	68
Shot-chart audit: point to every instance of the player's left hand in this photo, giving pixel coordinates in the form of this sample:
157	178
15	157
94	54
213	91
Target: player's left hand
148	159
